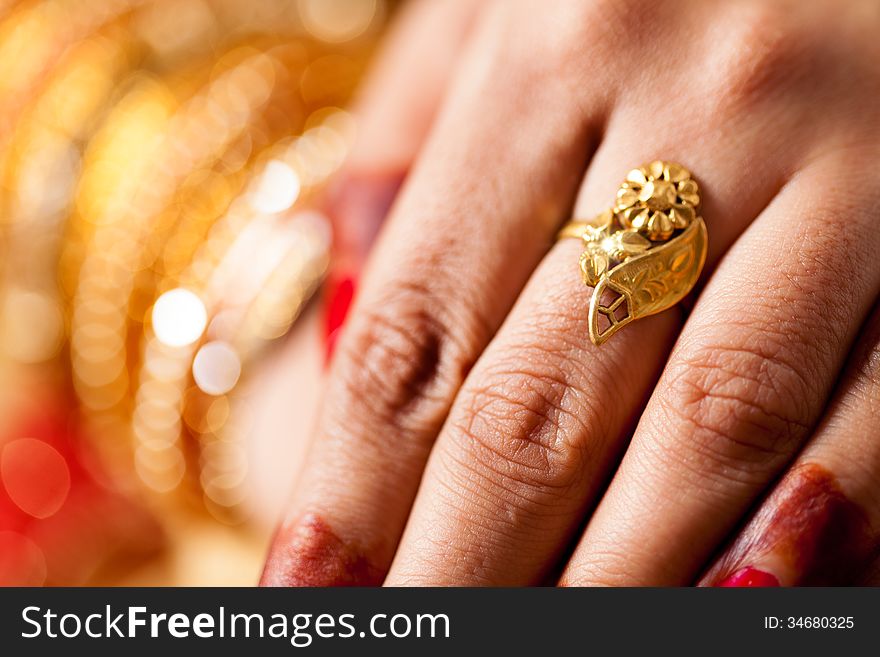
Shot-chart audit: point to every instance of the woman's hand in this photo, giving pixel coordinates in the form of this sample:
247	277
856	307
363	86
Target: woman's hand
470	432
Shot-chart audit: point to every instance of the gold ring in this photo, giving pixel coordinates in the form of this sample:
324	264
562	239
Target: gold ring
646	253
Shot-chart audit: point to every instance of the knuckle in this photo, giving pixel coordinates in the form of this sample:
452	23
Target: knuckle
508	62
620	18
524	427
592	32
746	404
398	364
583	33
762	57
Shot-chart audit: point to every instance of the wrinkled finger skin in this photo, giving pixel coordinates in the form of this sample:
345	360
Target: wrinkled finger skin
748	95
395	109
433	295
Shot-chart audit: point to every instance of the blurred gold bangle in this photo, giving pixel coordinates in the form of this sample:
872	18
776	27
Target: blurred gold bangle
185	170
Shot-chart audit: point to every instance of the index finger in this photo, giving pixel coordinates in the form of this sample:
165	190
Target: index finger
450	263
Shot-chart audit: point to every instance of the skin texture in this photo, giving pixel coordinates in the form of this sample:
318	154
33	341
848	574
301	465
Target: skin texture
395	111
471	434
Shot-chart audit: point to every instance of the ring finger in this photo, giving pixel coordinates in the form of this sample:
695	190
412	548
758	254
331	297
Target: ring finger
820	524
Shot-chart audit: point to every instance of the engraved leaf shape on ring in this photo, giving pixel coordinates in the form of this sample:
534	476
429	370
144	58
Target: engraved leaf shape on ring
604	249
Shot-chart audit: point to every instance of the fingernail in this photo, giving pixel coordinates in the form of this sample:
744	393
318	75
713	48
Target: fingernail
339	295
749	577
357	205
309	553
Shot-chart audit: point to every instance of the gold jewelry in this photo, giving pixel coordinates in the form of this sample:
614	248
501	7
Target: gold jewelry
646	253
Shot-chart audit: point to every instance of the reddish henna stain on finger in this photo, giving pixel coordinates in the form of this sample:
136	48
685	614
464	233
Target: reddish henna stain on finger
309	553
810	524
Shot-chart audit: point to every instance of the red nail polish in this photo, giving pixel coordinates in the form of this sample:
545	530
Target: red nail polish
339	296
357	205
749	577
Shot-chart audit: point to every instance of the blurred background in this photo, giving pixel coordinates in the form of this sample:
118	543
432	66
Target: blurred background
158	162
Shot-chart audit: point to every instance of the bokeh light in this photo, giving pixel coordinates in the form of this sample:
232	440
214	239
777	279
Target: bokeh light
216	368
22	562
179	317
31	325
276	189
35	476
337	20
160	162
